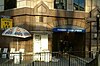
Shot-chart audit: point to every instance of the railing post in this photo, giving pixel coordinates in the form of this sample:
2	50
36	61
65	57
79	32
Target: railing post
69	59
20	57
98	61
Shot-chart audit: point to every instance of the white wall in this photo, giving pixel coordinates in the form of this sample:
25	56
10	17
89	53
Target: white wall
33	3
49	3
24	3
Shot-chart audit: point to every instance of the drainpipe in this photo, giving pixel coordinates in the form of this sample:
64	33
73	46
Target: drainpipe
97	20
90	32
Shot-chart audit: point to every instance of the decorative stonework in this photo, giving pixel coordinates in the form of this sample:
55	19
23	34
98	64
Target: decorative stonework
41	8
95	11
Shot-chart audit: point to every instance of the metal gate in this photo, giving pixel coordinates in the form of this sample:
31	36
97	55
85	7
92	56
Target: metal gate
60	59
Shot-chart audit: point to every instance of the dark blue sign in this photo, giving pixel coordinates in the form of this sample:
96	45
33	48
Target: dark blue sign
68	30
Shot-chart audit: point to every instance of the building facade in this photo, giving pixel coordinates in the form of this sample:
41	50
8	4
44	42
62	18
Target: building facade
43	18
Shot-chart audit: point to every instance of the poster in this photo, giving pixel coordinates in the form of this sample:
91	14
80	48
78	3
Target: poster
6	23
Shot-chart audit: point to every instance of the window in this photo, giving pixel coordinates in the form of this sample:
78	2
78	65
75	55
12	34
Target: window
9	4
37	37
41	19
79	5
59	4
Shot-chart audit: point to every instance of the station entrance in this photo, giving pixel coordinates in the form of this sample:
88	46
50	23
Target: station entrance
73	42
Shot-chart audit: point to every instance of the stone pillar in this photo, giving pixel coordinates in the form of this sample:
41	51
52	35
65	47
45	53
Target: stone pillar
69	5
90	4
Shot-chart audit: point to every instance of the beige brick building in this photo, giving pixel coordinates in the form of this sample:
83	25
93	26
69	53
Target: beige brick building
40	17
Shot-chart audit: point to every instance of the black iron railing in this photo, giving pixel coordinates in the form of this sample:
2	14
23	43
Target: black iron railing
44	59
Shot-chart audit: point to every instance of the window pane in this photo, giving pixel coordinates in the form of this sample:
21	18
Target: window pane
76	2
9	4
79	5
59	4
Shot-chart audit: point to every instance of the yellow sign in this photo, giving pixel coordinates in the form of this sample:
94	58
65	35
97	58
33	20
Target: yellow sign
6	23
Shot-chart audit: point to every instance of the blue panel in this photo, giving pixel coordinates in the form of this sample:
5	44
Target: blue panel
68	30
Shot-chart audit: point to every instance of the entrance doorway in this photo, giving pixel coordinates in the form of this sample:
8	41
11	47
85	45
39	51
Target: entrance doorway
40	45
69	41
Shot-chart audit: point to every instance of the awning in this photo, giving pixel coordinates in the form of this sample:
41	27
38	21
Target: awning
69	29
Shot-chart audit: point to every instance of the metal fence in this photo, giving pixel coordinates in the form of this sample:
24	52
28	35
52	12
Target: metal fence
94	61
15	59
43	59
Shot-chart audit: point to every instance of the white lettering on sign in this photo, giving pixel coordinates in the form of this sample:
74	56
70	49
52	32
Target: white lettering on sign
61	29
78	30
